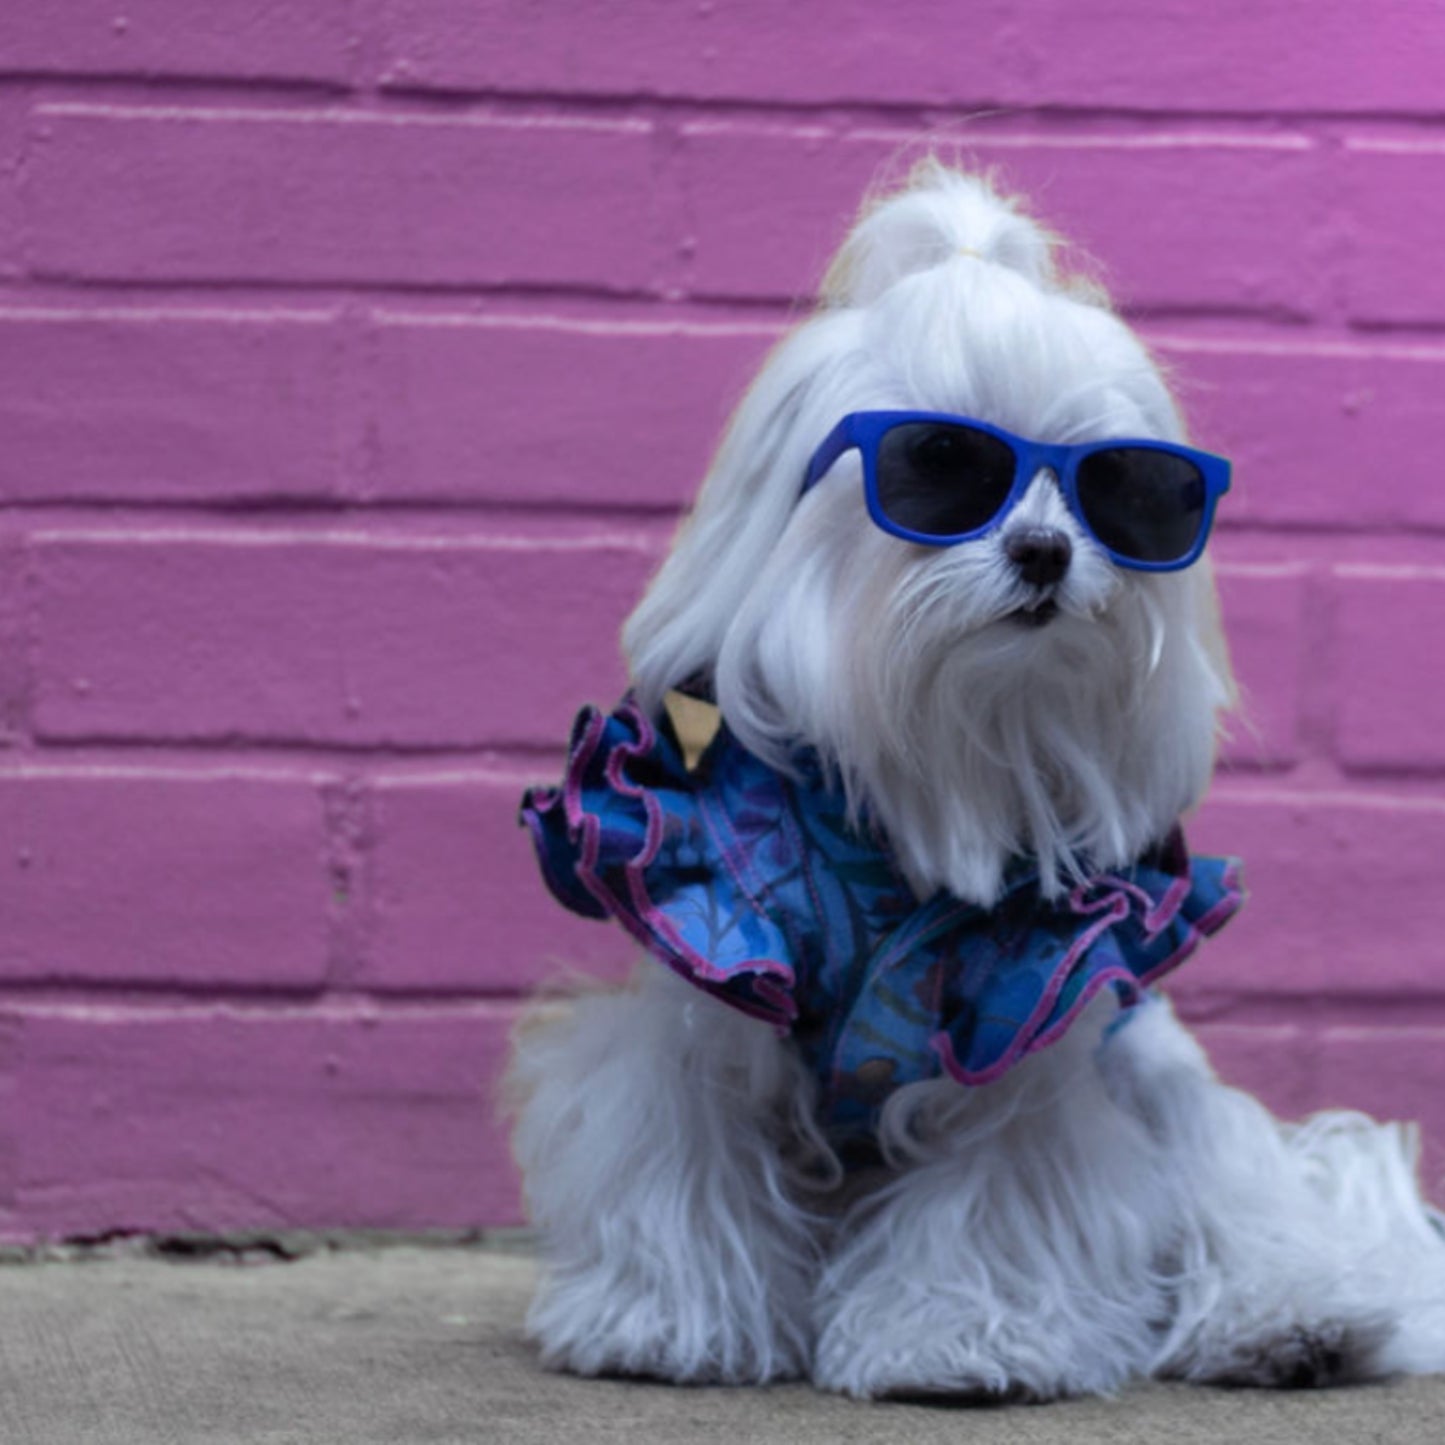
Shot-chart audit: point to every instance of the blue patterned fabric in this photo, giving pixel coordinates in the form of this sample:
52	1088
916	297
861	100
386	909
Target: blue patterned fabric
754	886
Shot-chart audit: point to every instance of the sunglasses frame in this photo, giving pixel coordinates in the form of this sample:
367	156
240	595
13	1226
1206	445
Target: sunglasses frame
866	429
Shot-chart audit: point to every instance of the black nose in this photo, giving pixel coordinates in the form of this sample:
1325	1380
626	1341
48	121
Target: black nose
1040	553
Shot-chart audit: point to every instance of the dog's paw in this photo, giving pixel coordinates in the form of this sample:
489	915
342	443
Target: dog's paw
583	1329
927	1375
920	1355
960	1376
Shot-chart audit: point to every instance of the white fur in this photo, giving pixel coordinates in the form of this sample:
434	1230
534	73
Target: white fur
1106	1210
653	1143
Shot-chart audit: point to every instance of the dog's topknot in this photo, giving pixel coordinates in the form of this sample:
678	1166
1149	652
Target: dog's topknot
938	215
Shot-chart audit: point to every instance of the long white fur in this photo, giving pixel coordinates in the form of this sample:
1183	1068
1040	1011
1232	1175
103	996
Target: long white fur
662	1142
1108	1209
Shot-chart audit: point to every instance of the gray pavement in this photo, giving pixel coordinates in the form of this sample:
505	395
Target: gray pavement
423	1344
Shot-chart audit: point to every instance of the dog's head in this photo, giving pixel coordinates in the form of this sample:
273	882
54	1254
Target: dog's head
1015	692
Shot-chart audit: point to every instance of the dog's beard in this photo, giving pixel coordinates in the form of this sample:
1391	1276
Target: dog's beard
1016	739
969	732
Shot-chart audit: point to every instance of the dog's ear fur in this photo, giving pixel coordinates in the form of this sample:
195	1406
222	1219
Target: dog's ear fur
755	480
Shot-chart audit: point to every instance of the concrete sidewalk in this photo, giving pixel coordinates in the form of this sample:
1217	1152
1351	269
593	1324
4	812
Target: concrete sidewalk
415	1344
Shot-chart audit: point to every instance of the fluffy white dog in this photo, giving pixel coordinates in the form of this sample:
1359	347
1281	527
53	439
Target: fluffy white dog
902	1115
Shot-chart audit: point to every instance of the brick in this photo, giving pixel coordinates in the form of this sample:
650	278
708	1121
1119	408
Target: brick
151	876
1181	228
1343	896
747	49
1264	610
208	1120
166	406
287	40
12	133
1394	194
441	641
637	428
458	902
1321	433
1276	1063
177	194
1390	701
1143	54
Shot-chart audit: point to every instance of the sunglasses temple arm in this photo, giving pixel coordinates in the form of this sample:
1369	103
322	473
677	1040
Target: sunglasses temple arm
833	446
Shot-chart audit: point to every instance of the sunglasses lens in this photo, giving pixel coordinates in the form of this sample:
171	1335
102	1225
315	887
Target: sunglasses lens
1144	504
941	479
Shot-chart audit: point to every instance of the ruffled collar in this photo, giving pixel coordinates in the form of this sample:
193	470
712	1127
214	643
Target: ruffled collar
758	888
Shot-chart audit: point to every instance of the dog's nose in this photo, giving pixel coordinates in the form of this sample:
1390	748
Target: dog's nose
1040	553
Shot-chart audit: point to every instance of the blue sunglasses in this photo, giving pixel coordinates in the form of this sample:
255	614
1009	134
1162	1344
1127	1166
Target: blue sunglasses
938	479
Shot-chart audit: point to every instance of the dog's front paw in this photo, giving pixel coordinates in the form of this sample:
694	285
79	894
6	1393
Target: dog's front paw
961	1369
929	1370
906	1344
596	1324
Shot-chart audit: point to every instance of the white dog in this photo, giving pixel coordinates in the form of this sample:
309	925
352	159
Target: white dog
910	1120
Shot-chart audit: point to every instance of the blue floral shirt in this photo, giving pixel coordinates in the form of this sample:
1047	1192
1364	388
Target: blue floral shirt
755	887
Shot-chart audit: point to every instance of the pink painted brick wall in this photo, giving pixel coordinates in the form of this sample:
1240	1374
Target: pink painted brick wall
355	357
